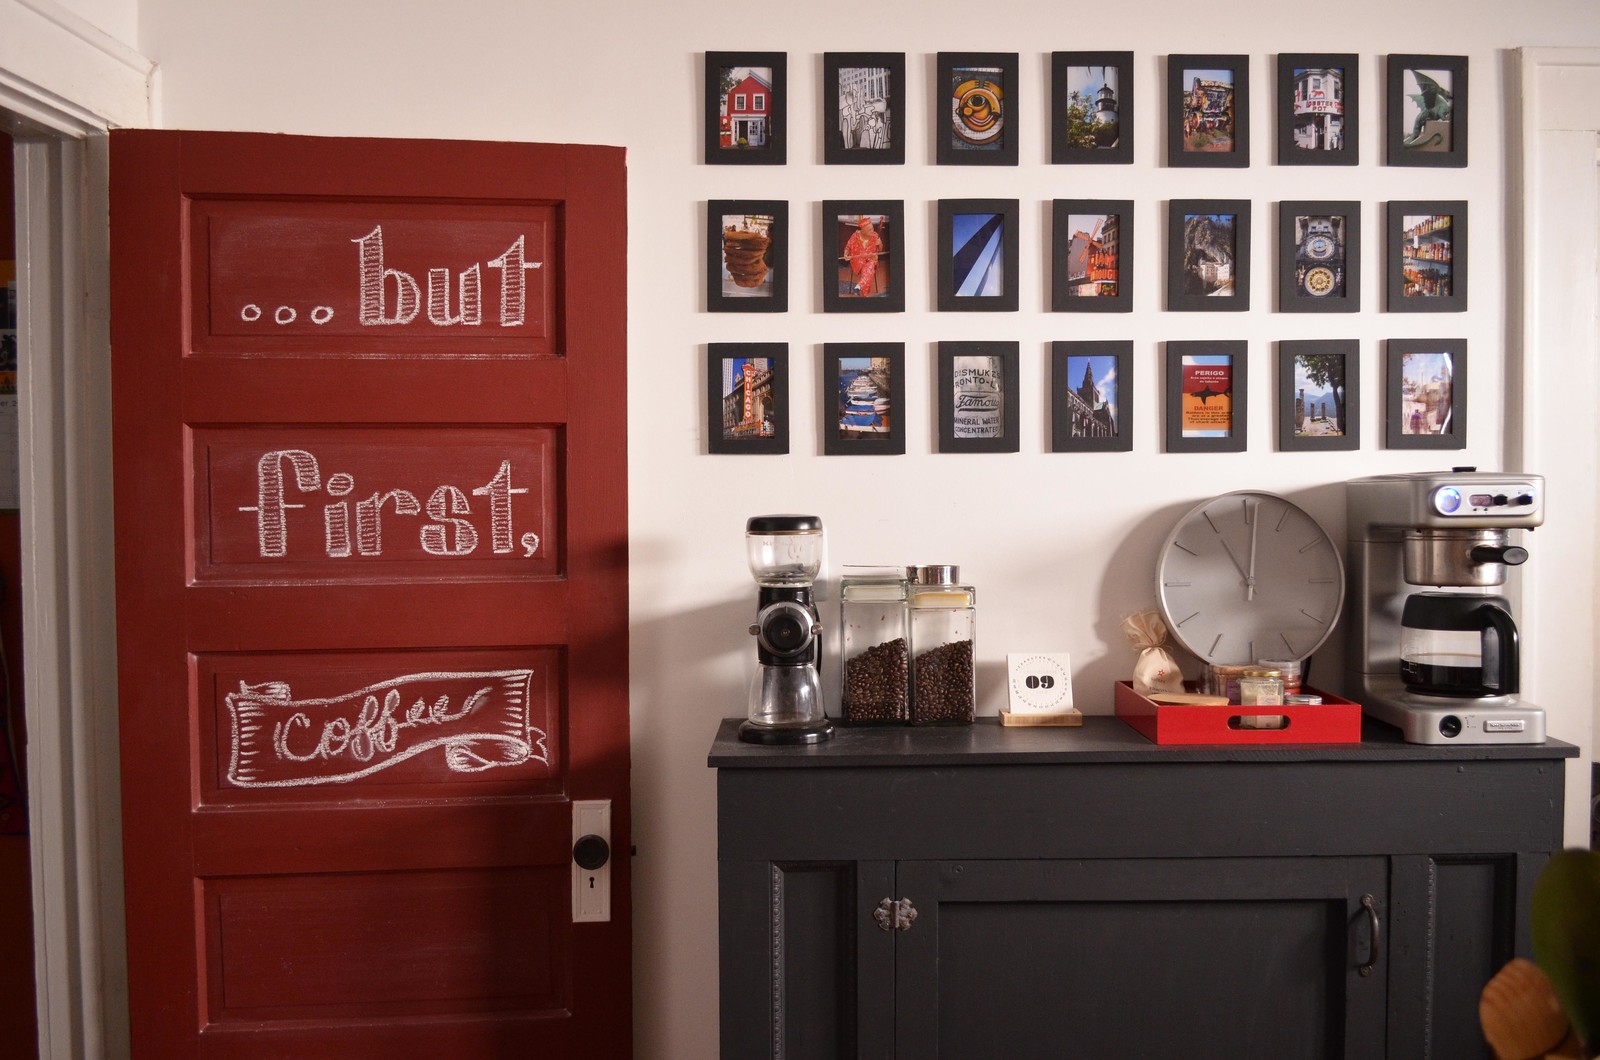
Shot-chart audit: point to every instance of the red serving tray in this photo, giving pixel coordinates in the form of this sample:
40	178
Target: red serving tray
1334	720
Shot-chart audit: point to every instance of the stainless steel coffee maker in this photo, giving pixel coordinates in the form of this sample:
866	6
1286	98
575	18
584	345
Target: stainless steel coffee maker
1431	649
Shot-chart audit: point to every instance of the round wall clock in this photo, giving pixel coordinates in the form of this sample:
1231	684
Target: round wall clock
1249	576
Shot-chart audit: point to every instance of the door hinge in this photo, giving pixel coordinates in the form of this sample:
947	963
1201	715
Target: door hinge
895	916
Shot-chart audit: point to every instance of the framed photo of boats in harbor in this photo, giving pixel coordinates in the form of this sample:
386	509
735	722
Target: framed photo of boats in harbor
1319	395
1319	257
863	108
1091	259
1427	256
978	397
1208	111
1207	396
1425	406
1091	397
863	256
1091	108
1319	109
747	397
746	108
863	398
1426	107
747	256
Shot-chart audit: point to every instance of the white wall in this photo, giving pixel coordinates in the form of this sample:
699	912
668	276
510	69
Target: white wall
1060	547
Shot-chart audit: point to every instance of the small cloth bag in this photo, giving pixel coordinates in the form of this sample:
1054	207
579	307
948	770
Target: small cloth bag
1155	670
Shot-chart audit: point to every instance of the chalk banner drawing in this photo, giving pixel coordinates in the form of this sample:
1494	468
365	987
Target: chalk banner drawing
412	501
480	720
275	270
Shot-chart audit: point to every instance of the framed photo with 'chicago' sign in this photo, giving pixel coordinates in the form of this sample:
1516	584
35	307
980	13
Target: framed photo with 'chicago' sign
747	397
745	109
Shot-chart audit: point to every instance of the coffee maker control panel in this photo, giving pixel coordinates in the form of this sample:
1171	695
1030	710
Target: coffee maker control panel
1460	498
1500	499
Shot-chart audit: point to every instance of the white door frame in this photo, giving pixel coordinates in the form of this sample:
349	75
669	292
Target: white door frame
63	84
1552	360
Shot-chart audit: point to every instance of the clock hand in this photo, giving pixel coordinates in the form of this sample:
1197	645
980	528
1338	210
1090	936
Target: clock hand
1229	550
1254	511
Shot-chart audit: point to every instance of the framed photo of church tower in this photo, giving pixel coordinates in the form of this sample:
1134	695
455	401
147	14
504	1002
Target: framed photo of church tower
1091	397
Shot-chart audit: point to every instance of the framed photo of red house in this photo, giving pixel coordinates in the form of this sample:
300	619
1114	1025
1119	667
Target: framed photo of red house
863	398
1208	111
1426	107
747	397
1206	396
1319	109
1091	108
1426	403
747	256
746	100
1091	397
1091	259
975	110
863	108
1427	252
1319	257
863	256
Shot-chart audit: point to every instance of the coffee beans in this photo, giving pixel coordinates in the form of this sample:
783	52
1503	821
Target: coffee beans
942	684
875	683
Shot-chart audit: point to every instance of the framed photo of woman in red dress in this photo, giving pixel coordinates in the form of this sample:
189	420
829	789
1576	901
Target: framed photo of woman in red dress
863	256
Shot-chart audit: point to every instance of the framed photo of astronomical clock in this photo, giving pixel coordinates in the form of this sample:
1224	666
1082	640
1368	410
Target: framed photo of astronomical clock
1319	257
975	110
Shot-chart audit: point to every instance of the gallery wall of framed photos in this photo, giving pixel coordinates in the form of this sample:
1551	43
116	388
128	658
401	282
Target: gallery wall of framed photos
976	112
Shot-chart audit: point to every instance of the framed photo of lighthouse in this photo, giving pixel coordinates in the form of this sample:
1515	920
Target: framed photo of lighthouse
747	256
1426	107
1091	397
1091	260
746	108
863	398
1208	111
747	397
1091	108
863	256
1319	395
975	121
863	108
1319	109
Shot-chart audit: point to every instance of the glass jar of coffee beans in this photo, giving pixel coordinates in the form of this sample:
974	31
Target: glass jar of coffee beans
944	629
874	647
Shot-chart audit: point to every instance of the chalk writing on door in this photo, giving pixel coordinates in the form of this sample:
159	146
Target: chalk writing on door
479	719
359	532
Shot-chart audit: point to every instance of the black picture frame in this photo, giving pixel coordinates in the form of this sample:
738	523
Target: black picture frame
1187	431
1417	133
1091	249
1204	113
864	105
976	118
722	130
978	397
1195	276
1091	411
863	420
1319	256
732	261
1426	249
1306	423
1319	109
763	399
969	266
1416	417
1085	137
884	290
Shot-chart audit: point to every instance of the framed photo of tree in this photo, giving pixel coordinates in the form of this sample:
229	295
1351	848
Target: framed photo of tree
863	108
1091	108
863	398
745	115
1319	109
1319	257
1319	395
1208	110
747	397
1426	110
1091	260
1091	397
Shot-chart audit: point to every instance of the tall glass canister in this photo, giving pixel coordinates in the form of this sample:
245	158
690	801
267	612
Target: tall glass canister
944	631
874	647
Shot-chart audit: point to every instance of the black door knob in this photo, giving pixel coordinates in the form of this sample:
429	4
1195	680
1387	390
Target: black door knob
591	852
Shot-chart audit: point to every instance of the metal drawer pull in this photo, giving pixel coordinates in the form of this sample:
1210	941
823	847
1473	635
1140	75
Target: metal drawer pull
1374	934
895	916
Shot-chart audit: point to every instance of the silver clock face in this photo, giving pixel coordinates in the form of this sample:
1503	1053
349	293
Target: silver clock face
1249	576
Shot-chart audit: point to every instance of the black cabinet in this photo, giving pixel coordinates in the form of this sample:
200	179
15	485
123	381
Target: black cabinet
981	891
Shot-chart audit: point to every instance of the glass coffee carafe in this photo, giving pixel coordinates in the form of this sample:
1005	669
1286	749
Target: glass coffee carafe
1458	644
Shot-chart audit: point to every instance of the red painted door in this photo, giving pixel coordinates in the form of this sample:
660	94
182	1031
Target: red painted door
370	463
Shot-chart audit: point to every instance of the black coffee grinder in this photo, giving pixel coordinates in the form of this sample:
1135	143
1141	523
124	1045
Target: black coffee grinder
785	554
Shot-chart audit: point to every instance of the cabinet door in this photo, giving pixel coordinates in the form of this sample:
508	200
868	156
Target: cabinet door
1249	957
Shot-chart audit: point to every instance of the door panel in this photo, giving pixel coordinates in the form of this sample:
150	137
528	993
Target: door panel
370	464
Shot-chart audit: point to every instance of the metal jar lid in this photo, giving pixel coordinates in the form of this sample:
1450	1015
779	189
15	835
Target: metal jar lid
1261	671
782	524
934	574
